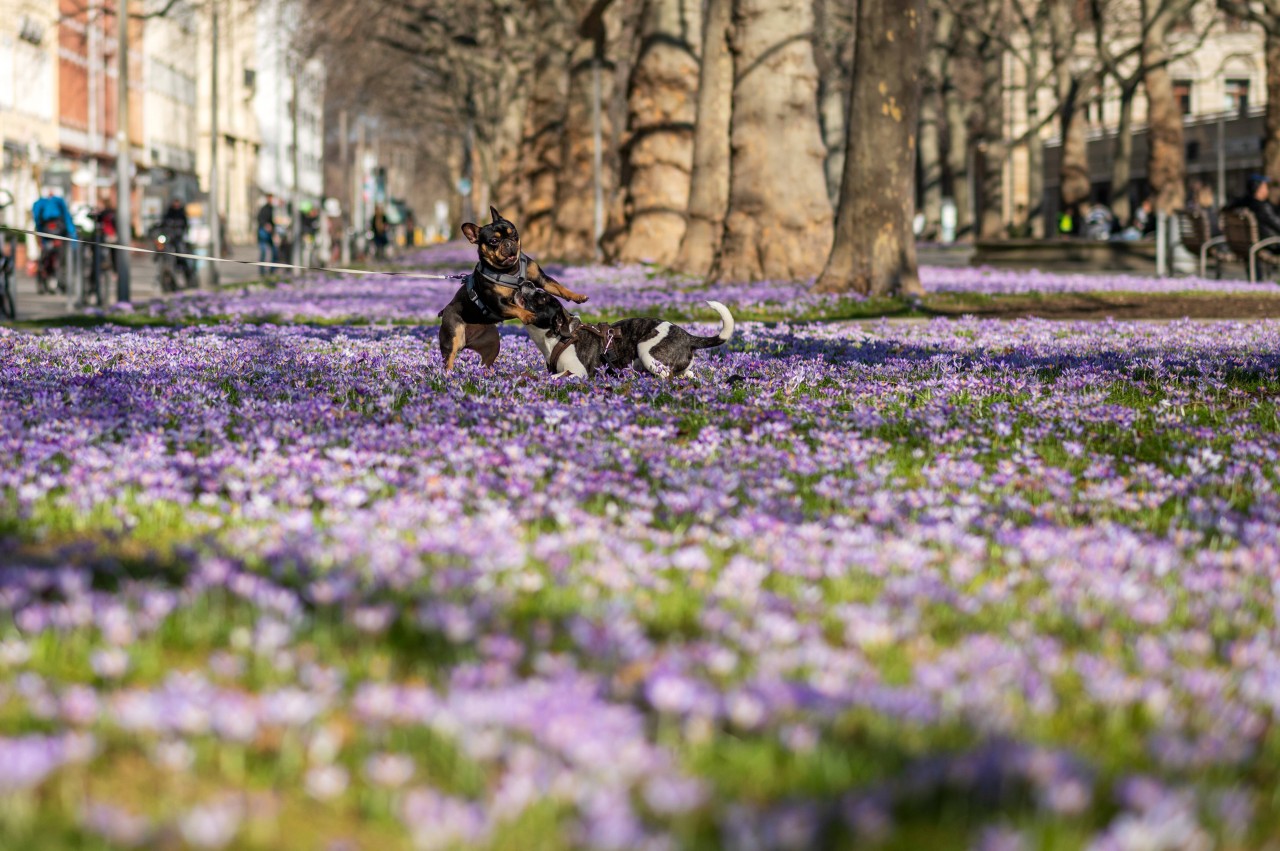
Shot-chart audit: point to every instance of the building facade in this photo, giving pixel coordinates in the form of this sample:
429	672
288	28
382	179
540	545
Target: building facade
239	141
283	78
166	165
28	100
1220	84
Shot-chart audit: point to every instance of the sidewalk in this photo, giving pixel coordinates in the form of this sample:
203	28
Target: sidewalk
143	285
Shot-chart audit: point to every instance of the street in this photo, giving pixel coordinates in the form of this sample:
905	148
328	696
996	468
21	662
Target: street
144	286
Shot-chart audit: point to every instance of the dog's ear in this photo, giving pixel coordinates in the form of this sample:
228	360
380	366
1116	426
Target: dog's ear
497	217
472	232
563	324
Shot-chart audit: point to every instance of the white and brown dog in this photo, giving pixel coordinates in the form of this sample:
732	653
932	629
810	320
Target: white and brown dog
572	347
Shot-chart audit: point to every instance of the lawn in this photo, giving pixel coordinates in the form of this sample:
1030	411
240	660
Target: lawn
937	584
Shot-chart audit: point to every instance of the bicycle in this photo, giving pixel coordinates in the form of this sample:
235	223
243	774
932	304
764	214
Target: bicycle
169	268
8	293
50	266
98	260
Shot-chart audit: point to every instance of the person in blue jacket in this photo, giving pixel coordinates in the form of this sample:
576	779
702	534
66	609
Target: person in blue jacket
52	215
51	208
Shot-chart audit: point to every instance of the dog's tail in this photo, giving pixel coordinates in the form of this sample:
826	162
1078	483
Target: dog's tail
726	329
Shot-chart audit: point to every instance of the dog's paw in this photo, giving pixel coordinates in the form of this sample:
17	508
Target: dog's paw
582	299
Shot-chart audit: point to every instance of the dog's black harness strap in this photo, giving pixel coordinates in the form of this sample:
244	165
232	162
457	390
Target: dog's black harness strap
475	299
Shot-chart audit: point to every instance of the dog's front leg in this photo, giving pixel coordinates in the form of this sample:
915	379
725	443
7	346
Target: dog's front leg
539	277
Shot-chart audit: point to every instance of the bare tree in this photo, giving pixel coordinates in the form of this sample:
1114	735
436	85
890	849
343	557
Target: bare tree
1166	151
833	54
874	251
932	117
658	153
709	190
779	220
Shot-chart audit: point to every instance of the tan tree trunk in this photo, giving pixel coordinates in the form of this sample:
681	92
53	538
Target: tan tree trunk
833	94
779	220
931	107
541	148
1271	147
709	191
991	219
1122	158
1074	183
958	160
573	238
931	163
662	108
1166	152
875	250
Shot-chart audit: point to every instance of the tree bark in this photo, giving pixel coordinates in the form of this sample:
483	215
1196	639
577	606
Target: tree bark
931	163
931	114
1074	183
1122	158
1271	147
991	221
541	150
958	159
833	94
709	189
875	250
1166	153
658	156
573	237
779	220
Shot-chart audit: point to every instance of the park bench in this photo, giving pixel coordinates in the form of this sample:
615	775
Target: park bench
1197	238
1241	231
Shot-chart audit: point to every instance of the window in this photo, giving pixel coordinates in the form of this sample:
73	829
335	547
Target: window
1237	96
1182	94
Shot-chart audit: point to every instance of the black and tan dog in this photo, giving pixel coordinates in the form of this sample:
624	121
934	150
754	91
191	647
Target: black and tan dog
574	348
491	293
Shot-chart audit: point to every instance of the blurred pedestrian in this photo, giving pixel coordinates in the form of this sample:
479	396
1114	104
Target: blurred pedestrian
267	231
1099	222
1257	200
381	232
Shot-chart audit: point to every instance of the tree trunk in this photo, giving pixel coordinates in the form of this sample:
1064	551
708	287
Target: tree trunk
779	221
543	129
875	250
833	101
1166	155
1122	158
991	222
709	190
573	238
833	97
658	156
931	107
1035	163
931	162
1271	147
958	160
1074	184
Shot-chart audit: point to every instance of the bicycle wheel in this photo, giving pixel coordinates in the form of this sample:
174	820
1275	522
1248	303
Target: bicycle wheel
8	307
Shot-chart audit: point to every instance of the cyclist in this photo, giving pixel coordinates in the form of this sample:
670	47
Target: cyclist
52	215
174	224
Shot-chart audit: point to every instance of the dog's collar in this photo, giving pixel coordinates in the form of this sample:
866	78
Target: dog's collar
503	279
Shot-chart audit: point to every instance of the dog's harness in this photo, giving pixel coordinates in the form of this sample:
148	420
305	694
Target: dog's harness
603	330
498	279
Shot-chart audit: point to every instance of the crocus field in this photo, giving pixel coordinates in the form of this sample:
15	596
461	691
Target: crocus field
943	584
